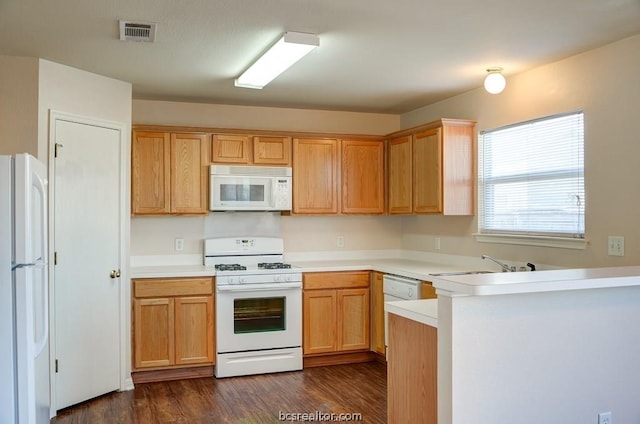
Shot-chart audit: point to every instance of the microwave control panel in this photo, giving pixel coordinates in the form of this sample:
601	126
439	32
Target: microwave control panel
283	192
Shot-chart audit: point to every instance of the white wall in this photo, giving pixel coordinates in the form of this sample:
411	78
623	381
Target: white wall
551	358
155	235
603	82
18	105
78	92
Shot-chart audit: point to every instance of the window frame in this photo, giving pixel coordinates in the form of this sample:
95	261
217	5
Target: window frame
525	237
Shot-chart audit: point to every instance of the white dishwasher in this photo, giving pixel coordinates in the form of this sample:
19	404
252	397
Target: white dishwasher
395	288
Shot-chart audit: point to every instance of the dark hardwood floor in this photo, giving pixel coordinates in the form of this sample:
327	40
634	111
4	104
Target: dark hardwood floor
357	388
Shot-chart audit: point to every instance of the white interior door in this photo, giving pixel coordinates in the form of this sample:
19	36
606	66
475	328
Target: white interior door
87	178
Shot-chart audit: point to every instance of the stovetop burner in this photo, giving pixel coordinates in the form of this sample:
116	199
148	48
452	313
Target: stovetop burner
274	265
230	267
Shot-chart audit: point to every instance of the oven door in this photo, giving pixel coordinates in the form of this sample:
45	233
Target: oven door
241	193
258	319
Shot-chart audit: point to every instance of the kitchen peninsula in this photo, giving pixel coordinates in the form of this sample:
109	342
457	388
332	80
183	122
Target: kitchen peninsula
552	346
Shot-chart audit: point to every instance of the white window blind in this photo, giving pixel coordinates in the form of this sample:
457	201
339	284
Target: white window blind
532	178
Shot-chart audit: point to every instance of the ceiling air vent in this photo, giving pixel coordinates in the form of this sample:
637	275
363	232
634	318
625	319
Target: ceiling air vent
138	31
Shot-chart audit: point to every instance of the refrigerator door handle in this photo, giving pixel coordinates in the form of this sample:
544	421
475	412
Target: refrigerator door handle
38	261
41	344
18	266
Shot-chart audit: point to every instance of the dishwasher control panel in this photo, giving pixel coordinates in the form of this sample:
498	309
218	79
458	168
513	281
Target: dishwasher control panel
400	288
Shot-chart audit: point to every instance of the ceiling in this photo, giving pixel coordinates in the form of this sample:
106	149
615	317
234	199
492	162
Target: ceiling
374	55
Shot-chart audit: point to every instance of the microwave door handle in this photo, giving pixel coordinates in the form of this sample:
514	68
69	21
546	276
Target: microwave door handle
274	186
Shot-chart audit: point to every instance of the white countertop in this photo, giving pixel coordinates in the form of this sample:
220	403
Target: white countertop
496	283
169	271
538	281
423	311
420	270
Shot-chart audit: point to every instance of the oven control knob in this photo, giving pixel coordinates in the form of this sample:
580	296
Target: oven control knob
230	280
277	278
241	280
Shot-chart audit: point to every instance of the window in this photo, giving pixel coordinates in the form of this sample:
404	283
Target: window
532	179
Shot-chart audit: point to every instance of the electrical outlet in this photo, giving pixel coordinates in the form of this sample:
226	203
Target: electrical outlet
340	241
604	418
179	245
615	246
437	244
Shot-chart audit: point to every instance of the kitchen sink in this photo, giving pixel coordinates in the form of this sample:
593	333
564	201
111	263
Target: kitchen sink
444	274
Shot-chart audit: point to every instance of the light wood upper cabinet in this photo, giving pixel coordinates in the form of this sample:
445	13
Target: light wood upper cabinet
400	160
169	173
189	173
335	312
173	322
272	150
439	156
315	176
150	180
251	150
427	171
362	177
229	148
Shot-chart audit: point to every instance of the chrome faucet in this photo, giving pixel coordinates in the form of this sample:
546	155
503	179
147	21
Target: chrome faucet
505	267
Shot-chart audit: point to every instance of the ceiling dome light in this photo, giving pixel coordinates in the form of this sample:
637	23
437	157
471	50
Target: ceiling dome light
494	83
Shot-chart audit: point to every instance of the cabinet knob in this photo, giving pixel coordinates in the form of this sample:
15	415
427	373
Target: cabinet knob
115	273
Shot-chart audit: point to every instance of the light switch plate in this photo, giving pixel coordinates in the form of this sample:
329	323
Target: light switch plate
179	244
615	246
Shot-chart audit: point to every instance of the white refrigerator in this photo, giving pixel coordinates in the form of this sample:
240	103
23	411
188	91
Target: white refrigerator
24	292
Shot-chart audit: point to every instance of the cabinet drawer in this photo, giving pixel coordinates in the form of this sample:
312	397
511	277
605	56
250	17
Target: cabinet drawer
161	287
335	280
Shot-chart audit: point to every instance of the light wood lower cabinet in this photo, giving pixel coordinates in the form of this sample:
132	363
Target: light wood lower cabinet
173	322
335	312
377	314
412	372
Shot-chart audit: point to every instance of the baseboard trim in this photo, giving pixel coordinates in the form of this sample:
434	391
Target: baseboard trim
171	374
322	360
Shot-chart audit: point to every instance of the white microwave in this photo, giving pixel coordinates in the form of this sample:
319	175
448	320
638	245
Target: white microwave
249	188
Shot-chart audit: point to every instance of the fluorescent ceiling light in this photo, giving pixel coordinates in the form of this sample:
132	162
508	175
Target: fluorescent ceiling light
290	48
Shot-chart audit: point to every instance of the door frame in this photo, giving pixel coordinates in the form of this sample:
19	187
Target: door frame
126	382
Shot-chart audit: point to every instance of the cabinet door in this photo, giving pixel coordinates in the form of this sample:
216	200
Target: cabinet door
315	176
272	150
194	330
319	321
153	332
362	177
427	291
150	183
228	148
400	175
353	319
377	314
427	171
189	173
458	179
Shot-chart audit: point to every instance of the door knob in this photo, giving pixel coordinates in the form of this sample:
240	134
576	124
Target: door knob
115	273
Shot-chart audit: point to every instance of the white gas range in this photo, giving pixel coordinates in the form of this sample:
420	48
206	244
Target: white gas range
258	306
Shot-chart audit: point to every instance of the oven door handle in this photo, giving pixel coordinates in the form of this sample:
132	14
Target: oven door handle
257	287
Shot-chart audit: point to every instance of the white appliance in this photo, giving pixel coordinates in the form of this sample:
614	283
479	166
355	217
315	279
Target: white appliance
250	188
24	294
397	288
258	306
